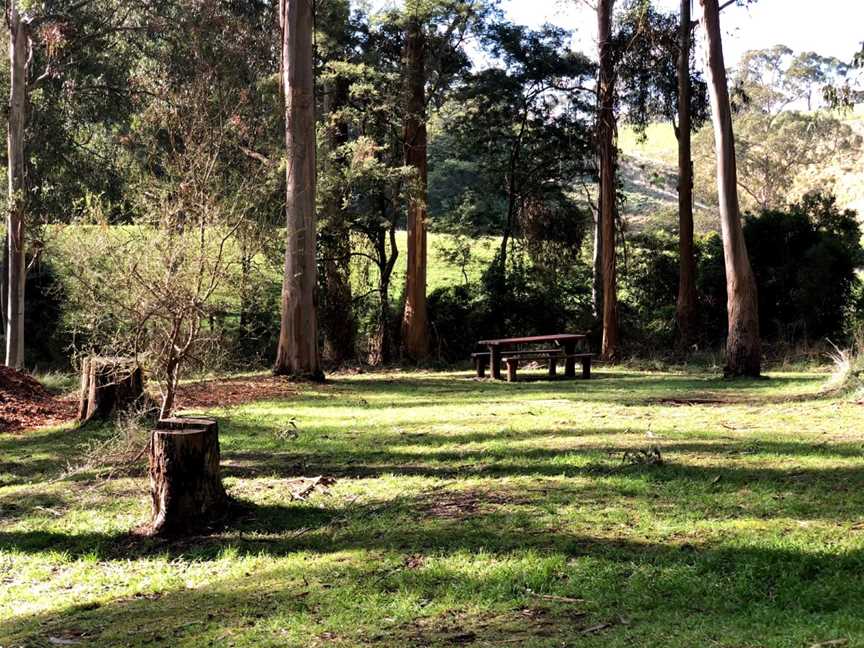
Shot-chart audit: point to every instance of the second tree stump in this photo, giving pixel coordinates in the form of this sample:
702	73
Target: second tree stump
186	489
109	386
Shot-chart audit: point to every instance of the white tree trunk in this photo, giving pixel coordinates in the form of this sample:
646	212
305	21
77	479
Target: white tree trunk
298	353
19	48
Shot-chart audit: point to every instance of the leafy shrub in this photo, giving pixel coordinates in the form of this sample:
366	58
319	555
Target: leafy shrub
648	291
531	300
805	261
46	338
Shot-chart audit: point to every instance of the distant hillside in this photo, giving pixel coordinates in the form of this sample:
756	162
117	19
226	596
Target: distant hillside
650	175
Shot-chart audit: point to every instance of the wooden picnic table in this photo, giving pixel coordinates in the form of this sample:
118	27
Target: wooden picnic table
566	340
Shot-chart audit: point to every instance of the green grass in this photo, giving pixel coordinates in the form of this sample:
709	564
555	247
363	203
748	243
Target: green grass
466	513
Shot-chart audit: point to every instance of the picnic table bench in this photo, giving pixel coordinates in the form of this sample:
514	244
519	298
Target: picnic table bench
507	351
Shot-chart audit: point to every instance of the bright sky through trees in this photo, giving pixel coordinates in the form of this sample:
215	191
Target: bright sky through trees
803	25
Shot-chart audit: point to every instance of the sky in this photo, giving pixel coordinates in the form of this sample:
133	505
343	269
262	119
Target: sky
828	27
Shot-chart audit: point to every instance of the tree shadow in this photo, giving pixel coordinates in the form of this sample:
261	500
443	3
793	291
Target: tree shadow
771	591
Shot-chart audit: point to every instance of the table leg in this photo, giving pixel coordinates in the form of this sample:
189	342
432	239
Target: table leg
570	362
495	361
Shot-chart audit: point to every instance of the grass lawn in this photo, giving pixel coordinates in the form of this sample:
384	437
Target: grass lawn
466	513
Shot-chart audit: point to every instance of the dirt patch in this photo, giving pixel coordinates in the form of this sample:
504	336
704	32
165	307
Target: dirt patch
461	505
234	391
25	404
456	628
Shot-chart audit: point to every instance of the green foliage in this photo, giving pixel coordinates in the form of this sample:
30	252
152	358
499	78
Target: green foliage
649	286
516	135
533	301
805	260
646	61
782	151
43	321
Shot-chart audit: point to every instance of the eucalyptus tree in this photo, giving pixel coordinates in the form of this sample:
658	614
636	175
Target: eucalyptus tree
657	81
743	342
298	353
811	72
76	55
783	150
685	311
607	162
20	46
434	34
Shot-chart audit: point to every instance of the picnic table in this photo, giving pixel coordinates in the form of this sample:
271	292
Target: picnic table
506	349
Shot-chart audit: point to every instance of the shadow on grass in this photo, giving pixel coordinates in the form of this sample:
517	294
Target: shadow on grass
596	479
772	591
605	385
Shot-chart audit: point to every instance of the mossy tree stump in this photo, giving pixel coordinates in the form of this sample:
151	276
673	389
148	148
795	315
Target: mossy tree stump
109	386
186	489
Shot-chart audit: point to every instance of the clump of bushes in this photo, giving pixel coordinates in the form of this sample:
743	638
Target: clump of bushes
532	299
805	259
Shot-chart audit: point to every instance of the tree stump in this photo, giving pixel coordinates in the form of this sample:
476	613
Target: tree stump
185	485
109	386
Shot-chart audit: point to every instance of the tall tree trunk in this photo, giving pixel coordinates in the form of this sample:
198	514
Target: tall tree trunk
743	345
686	309
415	337
606	148
19	50
298	353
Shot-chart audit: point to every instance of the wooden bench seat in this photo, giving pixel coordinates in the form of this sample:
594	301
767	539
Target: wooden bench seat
512	358
512	361
481	359
585	359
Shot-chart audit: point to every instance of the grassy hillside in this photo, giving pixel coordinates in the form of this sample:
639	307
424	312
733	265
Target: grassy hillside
649	170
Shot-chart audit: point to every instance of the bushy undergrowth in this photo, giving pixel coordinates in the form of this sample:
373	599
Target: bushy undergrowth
805	260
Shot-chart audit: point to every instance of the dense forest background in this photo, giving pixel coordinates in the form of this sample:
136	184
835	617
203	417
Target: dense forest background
156	183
